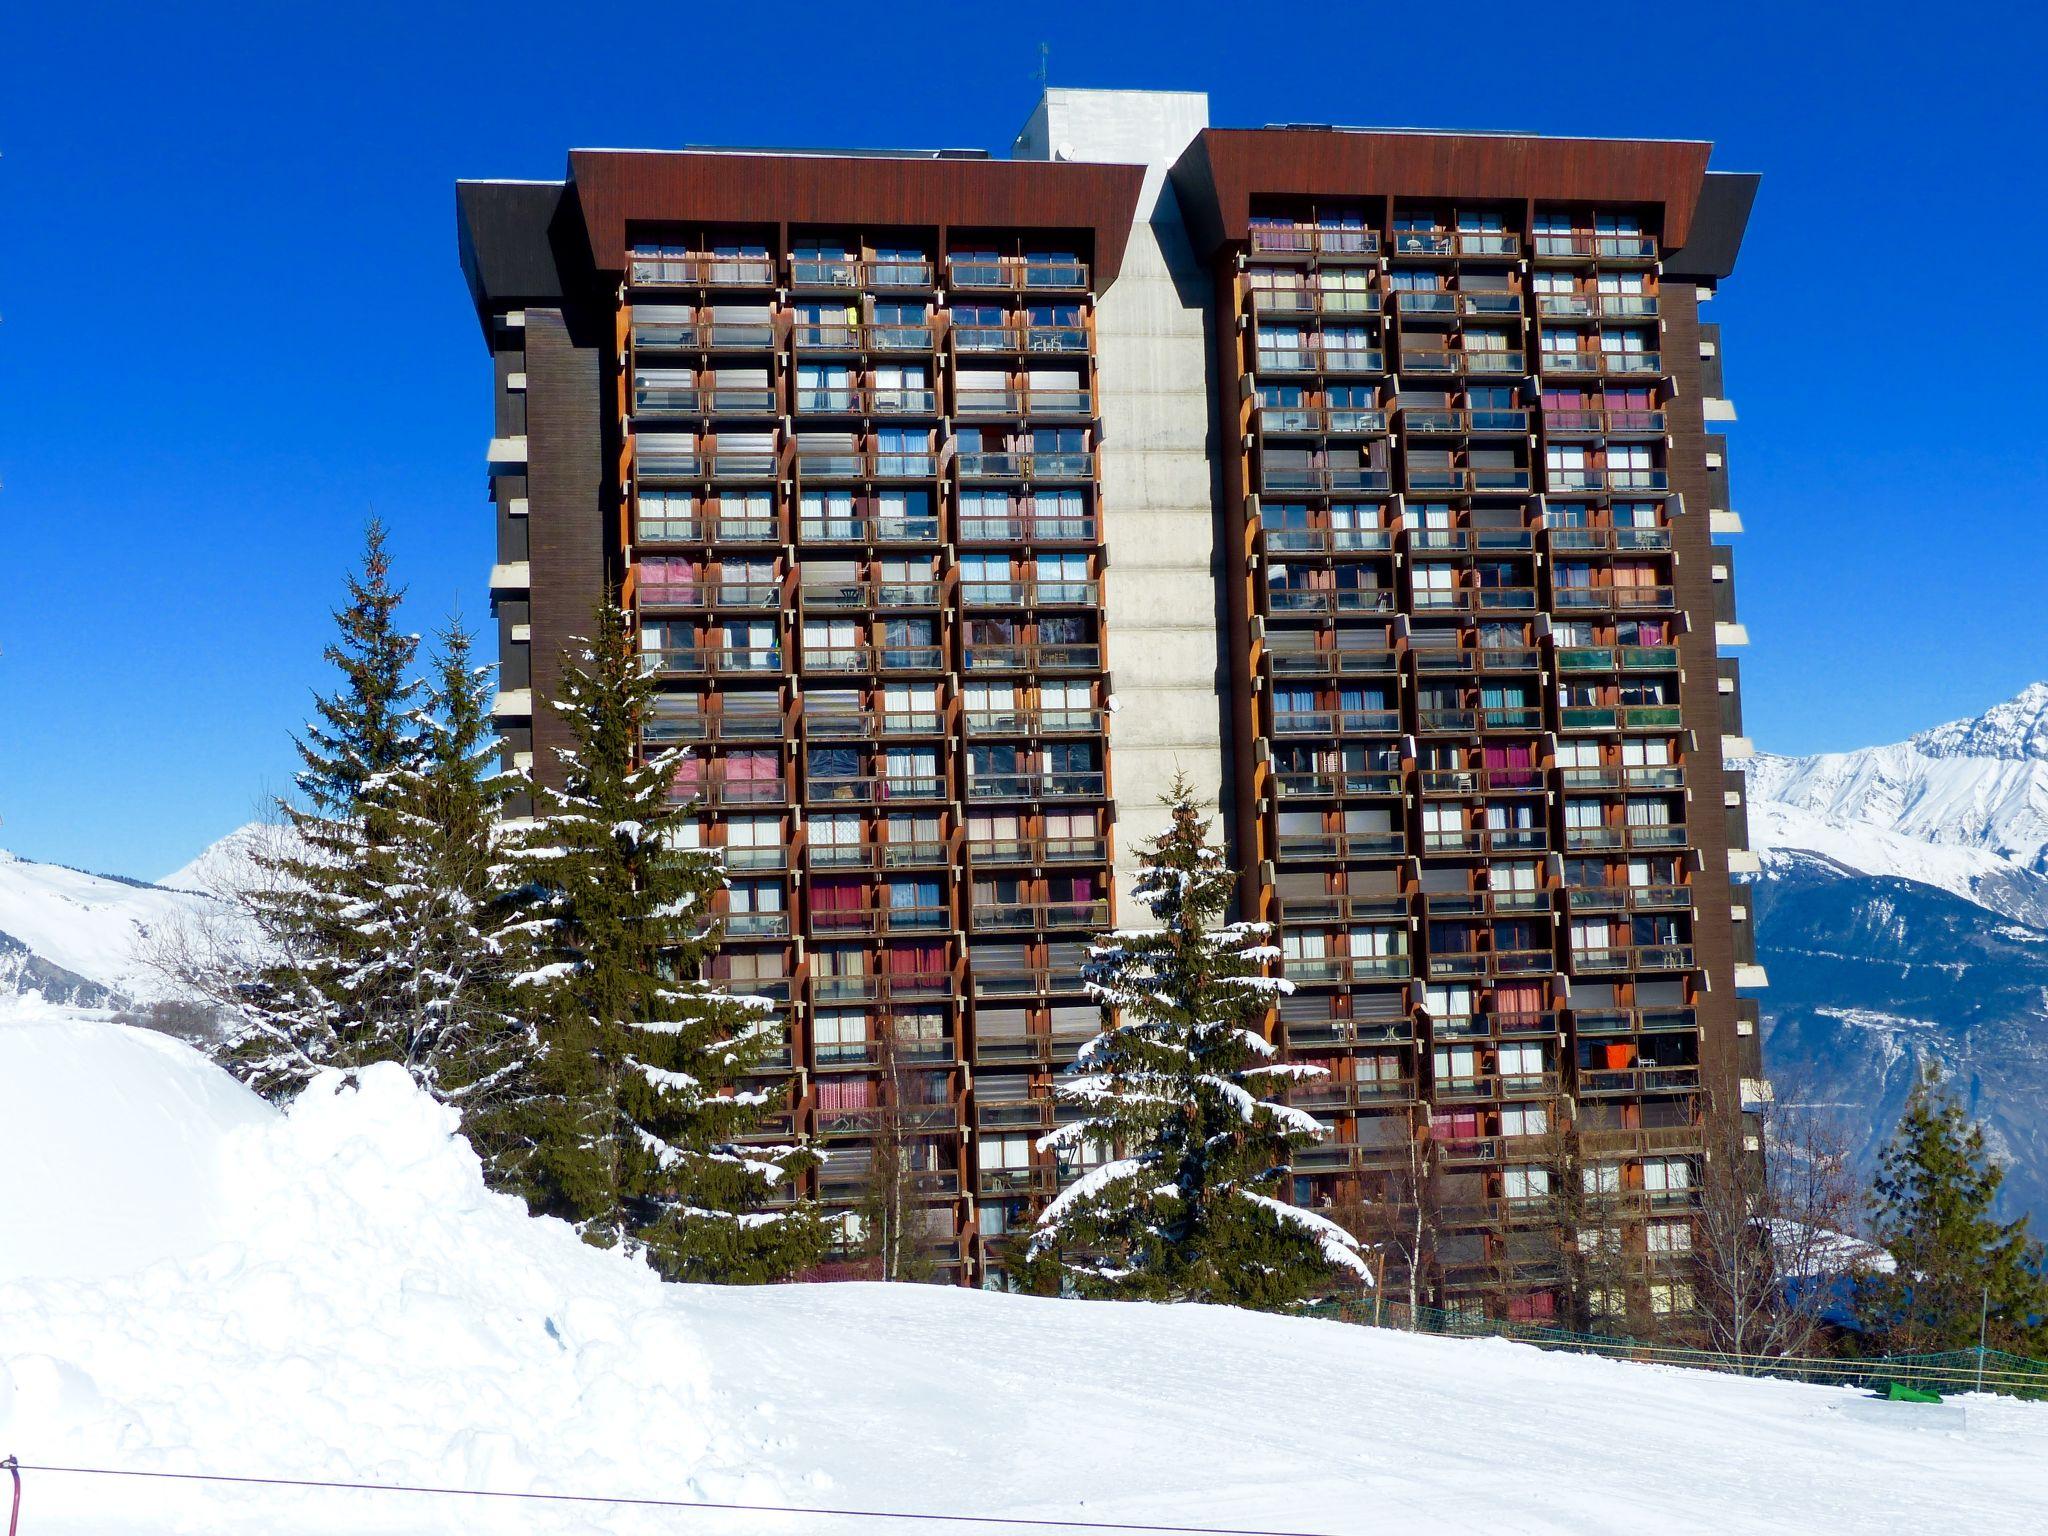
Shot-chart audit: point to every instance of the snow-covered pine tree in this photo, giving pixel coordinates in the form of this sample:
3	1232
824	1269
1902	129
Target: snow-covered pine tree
437	925
1187	1206
637	1095
304	1004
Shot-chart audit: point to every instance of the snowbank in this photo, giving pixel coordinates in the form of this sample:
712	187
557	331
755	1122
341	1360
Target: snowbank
351	1302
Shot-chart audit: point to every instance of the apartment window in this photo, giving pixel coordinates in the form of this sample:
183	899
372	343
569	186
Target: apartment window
1601	1178
841	1035
1524	1120
1525	1185
1668	1297
1668	1237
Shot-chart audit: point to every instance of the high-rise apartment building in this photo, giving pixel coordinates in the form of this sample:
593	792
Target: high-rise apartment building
1369	479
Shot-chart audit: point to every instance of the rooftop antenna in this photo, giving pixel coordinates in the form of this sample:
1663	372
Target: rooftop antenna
1044	65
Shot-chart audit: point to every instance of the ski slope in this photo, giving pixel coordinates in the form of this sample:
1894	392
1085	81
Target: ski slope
336	1295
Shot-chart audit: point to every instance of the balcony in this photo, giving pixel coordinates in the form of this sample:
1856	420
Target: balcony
858	596
1037	786
991	852
1339	784
1324	847
988	467
1327	541
1604	423
1013	274
1038	917
1460	480
1312	356
1593	960
1018	404
708	595
1302	242
712	661
1310	301
1323	479
1282	601
733	792
1439	422
1336	722
1343	970
1634	597
1464	783
1343	661
1487	1087
755	925
1321	421
1460	362
1479	660
983	657
984	340
884	529
1068	340
700	269
1035	722
1024	524
1608	1082
1495	840
1030	593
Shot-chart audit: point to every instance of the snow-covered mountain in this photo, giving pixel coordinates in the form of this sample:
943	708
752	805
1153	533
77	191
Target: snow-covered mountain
86	940
1903	918
1963	806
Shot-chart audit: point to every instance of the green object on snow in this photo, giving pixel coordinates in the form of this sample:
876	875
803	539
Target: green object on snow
1899	1392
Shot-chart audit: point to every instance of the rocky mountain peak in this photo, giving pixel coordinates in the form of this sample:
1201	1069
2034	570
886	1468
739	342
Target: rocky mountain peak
2016	731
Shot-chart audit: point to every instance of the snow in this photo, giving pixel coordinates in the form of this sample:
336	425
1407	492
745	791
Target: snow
96	926
1962	807
337	1295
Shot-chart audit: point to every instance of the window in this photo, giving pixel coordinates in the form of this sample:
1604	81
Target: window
1669	1236
1525	1185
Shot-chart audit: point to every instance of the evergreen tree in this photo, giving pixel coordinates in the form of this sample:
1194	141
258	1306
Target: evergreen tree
628	1118
1931	1208
1188	1205
437	923
307	1002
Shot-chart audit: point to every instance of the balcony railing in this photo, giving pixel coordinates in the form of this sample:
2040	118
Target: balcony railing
1037	786
701	270
1306	240
1323	479
1008	273
1037	850
1603	423
1650	957
1047	657
1034	722
1317	541
884	529
984	466
1319	847
1644	596
1036	917
1339	784
1321	421
1024	524
1030	593
1460	360
1315	301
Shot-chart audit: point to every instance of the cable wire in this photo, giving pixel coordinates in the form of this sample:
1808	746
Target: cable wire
649	1503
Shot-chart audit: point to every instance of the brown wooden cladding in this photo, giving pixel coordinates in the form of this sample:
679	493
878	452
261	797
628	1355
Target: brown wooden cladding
617	188
1225	167
565	518
1700	699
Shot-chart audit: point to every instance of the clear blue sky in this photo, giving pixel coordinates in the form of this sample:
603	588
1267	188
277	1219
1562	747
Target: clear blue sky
234	324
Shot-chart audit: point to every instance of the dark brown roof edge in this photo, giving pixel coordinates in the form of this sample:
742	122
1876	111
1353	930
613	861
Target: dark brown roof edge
1219	173
617	187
